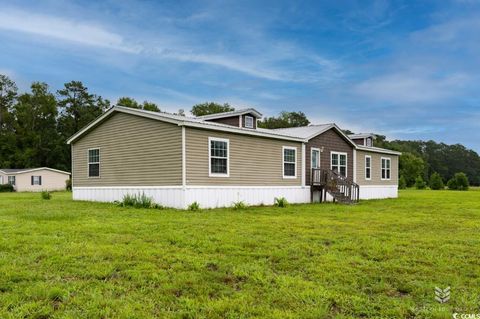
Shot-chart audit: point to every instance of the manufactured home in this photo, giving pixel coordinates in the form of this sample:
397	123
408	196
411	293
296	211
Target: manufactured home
223	158
34	179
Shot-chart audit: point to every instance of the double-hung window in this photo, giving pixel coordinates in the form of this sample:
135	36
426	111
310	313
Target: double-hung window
315	154
339	163
11	180
94	162
248	121
218	150
289	162
36	180
368	167
386	168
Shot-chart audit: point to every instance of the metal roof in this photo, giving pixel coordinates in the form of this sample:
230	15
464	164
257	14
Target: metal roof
26	170
13	170
298	134
305	131
184	121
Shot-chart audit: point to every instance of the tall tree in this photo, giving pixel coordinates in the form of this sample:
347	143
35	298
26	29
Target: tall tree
150	106
285	120
35	126
210	108
130	102
8	95
411	167
77	108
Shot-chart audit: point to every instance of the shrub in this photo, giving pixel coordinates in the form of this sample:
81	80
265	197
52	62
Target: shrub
420	183
138	201
46	195
68	184
281	202
239	205
5	188
452	184
402	183
194	206
436	182
459	182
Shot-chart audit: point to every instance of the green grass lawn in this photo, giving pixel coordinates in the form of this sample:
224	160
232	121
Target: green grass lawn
377	259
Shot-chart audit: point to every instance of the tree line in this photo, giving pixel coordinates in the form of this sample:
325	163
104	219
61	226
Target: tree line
422	160
35	125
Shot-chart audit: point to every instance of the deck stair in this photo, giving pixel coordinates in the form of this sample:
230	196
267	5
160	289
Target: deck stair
342	189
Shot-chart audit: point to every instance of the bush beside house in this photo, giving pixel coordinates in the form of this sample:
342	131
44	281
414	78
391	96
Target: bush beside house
4	188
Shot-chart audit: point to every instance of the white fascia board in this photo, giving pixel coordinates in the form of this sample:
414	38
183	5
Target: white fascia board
39	169
378	150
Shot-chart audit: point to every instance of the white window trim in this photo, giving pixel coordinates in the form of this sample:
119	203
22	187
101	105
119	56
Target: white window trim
88	162
346	161
283	161
247	118
210	174
369	178
368	139
381	168
14	180
311	156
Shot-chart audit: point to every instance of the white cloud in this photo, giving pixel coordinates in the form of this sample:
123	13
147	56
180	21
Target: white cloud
264	59
413	86
62	29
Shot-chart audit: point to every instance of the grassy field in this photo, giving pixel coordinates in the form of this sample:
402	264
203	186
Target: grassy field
377	259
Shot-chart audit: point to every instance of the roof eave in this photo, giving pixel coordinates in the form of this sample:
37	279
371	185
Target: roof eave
184	122
378	150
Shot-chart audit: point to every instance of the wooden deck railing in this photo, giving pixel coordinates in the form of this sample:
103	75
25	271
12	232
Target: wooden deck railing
340	187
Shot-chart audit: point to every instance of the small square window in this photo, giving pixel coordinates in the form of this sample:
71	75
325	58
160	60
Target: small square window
36	180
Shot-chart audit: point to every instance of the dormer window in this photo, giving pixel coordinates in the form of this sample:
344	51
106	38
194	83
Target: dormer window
249	121
369	141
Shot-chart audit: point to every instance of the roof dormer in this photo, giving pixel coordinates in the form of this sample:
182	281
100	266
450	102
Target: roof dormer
364	139
245	118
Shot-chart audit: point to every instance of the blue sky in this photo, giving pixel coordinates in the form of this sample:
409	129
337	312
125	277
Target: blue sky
407	70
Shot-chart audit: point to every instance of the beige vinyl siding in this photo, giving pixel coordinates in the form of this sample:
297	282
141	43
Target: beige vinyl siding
254	161
134	151
51	181
376	169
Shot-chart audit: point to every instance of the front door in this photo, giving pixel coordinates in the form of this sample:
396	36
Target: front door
315	158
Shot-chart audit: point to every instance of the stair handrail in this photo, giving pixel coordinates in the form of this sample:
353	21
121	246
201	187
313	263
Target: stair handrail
335	183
